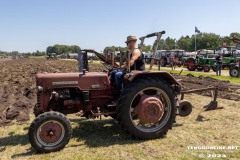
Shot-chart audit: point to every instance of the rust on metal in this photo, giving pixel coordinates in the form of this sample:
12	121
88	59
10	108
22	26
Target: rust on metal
50	132
150	109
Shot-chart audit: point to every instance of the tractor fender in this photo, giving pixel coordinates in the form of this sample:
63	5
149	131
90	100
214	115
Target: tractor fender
155	74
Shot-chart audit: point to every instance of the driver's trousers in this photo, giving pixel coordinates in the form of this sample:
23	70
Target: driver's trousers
117	76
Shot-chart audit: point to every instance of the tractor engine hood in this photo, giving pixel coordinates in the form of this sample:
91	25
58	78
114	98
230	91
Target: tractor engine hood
87	81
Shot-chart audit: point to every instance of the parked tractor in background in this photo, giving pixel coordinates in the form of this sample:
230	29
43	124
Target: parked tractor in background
229	55
235	69
14	57
201	64
51	56
170	57
146	108
205	59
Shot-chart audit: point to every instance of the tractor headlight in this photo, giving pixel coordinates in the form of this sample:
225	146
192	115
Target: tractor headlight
39	88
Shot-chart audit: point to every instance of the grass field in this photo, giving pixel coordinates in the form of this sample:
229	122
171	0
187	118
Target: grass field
95	139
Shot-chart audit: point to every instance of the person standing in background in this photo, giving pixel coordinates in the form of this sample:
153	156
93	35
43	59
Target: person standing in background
218	65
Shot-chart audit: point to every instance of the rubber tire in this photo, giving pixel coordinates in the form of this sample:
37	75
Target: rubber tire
206	68
180	65
165	62
126	98
186	111
232	69
193	61
51	115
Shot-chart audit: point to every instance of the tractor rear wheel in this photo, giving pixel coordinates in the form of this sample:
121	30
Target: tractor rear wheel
147	108
50	132
190	63
233	72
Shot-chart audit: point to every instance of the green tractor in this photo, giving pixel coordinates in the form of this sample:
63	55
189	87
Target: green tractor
51	56
235	69
200	63
229	54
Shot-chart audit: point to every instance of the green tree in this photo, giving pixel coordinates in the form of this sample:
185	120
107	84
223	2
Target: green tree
49	49
185	43
75	49
146	48
170	43
207	41
114	48
167	44
59	49
235	34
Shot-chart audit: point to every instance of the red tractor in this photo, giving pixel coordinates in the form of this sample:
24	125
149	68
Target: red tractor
172	57
146	108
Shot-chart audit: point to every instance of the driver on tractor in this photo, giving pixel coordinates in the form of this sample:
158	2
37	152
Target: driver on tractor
136	62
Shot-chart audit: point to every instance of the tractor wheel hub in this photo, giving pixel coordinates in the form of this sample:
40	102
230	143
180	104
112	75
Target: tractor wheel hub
50	132
150	109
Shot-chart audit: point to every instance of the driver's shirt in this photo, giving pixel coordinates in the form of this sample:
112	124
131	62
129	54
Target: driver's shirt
139	63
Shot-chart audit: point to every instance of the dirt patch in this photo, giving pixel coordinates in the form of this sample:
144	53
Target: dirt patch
5	59
17	89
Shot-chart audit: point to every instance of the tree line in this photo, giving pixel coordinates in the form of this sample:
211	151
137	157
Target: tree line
210	41
59	49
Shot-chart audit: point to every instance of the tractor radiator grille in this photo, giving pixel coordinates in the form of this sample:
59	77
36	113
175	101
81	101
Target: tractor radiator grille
38	99
38	94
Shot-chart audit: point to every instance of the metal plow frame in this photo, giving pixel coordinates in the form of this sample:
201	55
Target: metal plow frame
213	105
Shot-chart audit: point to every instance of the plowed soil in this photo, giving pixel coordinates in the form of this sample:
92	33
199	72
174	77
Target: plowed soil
226	90
18	94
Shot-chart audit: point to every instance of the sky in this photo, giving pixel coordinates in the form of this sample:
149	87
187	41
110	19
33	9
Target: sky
30	25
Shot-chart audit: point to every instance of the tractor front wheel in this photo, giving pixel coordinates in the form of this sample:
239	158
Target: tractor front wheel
163	62
206	68
233	72
147	108
50	132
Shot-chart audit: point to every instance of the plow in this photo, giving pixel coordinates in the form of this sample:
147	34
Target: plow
146	108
